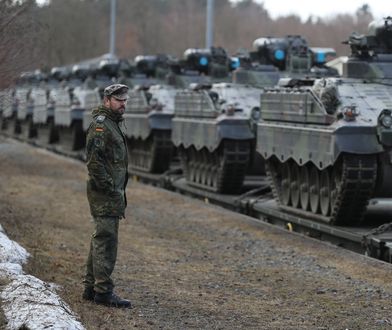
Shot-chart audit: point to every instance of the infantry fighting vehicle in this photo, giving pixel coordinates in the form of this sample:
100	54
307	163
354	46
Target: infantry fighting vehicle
43	114
213	131
105	70
17	116
71	102
327	146
148	126
215	126
8	109
148	118
142	73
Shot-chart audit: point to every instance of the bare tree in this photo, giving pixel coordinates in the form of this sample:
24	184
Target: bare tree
65	32
18	38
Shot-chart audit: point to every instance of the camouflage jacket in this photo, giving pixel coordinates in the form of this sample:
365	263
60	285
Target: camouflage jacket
107	164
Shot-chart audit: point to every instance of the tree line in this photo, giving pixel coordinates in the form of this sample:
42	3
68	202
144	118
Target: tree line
68	31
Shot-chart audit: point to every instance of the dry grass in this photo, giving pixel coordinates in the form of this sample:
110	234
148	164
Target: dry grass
183	264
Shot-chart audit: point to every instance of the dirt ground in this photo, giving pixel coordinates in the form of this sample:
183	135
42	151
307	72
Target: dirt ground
184	264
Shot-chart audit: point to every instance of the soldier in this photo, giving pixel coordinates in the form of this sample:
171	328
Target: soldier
107	163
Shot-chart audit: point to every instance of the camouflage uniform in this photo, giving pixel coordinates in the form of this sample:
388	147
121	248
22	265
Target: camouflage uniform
107	163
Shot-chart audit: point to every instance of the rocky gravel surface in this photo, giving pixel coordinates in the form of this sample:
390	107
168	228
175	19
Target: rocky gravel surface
184	264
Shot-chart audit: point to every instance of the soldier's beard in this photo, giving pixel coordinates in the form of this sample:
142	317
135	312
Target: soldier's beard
120	111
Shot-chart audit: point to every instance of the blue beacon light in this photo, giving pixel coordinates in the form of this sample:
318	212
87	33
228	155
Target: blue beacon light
320	57
203	61
279	54
235	62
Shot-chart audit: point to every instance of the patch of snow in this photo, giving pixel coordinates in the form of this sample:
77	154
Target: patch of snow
11	251
26	300
29	302
8	269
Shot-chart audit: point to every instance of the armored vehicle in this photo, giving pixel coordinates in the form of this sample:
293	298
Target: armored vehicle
213	129
71	103
43	114
327	146
148	127
8	109
221	148
23	106
105	71
150	109
36	101
141	74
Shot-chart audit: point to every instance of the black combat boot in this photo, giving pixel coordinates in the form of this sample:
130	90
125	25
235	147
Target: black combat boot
88	293
112	300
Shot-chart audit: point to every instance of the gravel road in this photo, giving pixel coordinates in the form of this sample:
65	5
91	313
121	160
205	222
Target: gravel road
184	264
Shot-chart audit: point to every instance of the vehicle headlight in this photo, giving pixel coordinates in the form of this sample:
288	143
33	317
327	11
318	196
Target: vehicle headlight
386	119
255	114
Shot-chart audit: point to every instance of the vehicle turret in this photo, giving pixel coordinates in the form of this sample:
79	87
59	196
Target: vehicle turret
80	71
146	64
292	55
109	66
268	50
371	55
213	61
59	73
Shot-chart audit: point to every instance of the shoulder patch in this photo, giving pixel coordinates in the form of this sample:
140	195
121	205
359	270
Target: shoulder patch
100	119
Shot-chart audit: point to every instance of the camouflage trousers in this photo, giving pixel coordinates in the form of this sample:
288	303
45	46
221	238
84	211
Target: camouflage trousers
103	254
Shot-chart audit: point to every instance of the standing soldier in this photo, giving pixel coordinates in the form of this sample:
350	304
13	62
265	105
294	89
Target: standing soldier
107	163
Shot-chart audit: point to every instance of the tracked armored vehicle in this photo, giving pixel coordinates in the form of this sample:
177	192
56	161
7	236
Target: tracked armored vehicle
43	114
148	128
221	150
150	109
8	109
213	129
141	74
17	114
104	72
71	103
327	146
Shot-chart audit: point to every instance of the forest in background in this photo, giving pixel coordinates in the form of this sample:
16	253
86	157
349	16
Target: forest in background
68	31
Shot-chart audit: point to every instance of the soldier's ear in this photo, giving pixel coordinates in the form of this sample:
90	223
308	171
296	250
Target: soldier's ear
106	100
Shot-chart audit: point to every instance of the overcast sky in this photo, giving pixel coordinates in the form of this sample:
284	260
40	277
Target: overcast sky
322	8
325	8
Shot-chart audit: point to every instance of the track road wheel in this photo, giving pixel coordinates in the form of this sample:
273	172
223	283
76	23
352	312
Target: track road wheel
325	192
295	185
304	188
336	177
314	190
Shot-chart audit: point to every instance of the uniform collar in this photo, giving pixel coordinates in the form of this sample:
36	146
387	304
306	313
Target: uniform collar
102	110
